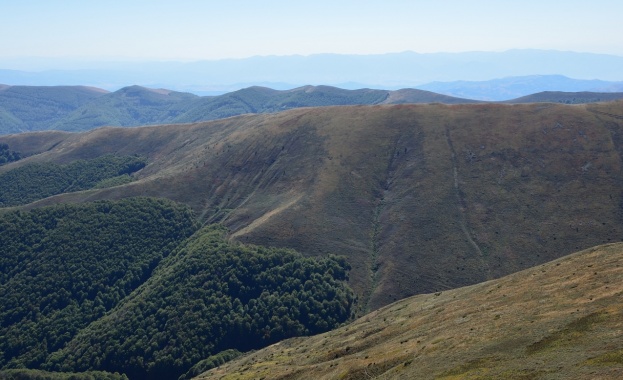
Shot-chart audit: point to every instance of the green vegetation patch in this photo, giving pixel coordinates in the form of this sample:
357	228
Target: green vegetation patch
567	335
36	181
62	267
33	374
114	181
211	362
209	296
7	155
607	359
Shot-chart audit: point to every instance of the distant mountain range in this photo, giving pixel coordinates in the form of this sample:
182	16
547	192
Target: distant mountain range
80	108
385	71
516	87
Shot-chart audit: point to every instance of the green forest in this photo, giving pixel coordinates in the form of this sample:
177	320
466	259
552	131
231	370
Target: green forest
7	155
35	181
63	267
35	374
135	287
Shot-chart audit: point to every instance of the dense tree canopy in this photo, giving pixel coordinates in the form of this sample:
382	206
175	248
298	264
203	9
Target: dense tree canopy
63	267
208	296
35	181
33	374
133	287
7	155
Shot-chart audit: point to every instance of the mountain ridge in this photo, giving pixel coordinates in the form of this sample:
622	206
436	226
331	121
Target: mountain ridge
137	105
66	108
358	180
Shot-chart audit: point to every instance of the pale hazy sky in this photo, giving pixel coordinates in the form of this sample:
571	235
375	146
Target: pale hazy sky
187	30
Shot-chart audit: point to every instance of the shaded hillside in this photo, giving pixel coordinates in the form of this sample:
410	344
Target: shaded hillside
266	100
138	106
262	100
568	97
420	198
32	108
134	106
127	107
557	320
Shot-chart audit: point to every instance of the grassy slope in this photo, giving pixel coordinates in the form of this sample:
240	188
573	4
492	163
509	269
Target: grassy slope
421	198
561	320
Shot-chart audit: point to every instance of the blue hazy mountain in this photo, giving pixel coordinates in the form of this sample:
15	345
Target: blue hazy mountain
387	71
516	87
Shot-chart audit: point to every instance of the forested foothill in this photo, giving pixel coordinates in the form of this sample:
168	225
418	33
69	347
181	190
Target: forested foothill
136	288
35	181
64	266
209	296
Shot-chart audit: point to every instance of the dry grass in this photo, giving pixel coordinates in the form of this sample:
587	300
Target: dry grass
560	320
420	198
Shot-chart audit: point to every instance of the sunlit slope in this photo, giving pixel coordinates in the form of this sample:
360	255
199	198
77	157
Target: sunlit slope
559	320
420	198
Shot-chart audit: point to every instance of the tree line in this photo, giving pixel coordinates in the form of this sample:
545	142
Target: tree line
35	181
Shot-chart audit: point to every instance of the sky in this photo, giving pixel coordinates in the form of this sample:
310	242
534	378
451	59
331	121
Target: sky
191	30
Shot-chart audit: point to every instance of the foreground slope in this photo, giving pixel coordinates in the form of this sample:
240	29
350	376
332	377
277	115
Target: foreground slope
562	320
420	198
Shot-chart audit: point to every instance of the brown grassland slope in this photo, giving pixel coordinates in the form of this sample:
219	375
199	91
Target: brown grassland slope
420	198
559	320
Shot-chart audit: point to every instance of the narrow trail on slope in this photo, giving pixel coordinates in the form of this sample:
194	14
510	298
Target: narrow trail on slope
463	205
375	243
